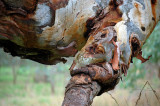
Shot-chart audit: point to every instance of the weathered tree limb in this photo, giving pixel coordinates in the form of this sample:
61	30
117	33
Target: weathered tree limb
44	30
113	42
82	88
81	94
107	34
48	30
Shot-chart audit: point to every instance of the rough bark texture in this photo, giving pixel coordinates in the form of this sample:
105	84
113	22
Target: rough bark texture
107	34
80	91
117	34
48	30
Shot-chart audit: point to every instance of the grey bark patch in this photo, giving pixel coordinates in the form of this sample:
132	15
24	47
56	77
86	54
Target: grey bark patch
102	3
141	2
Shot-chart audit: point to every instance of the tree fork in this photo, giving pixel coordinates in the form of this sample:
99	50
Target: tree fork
48	30
107	53
95	78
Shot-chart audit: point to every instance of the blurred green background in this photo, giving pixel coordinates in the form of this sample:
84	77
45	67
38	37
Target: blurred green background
27	83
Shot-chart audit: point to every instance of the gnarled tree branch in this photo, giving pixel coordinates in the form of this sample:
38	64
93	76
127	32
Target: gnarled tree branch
107	34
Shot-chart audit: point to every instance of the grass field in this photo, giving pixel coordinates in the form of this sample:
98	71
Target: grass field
28	93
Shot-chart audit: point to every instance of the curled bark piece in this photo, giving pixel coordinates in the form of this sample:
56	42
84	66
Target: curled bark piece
115	60
69	50
139	56
124	69
136	48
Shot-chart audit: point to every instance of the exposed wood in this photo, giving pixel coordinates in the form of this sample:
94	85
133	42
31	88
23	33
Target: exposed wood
107	34
113	41
47	25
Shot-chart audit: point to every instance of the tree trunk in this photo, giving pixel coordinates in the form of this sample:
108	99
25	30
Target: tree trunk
14	72
15	66
52	87
159	72
107	34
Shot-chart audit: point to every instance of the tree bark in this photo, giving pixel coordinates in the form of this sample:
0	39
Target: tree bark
110	48
80	95
107	34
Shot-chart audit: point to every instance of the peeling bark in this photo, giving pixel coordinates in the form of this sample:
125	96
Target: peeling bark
107	34
48	25
114	42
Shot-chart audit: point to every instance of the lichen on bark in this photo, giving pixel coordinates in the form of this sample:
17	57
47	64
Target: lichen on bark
104	35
